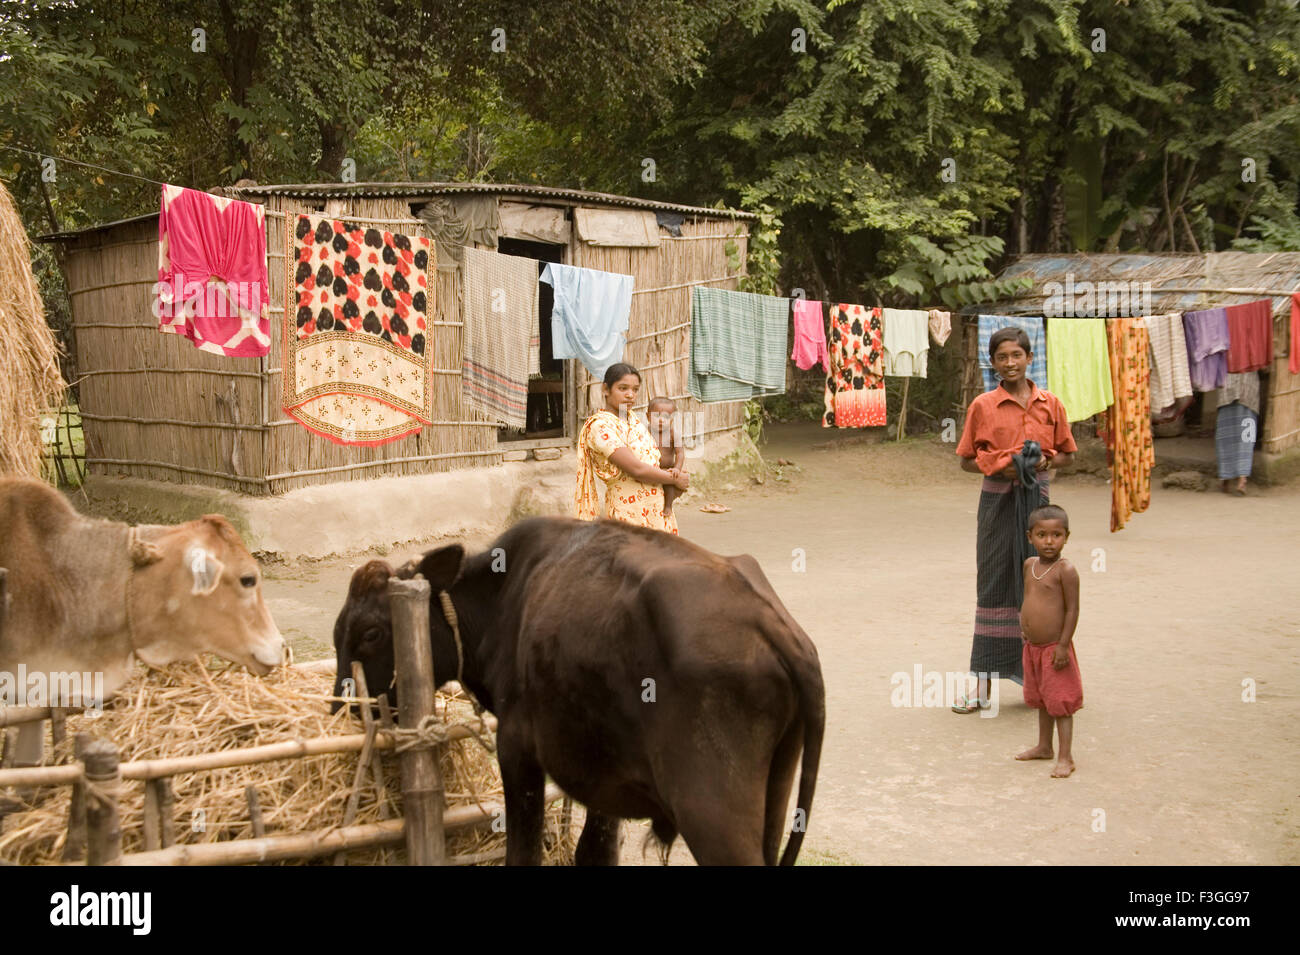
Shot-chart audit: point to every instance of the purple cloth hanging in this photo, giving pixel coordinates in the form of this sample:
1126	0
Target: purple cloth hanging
1207	347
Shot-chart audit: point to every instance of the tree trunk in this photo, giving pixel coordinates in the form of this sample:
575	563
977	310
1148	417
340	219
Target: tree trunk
334	142
237	66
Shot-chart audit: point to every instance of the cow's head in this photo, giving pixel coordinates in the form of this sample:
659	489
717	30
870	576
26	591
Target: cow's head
363	631
195	589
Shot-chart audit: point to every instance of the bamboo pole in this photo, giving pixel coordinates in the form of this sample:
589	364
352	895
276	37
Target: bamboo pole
902	413
166	809
205	472
103	825
152	823
17	715
285	422
322	842
376	760
100	288
690	284
422	792
226	759
328	665
58	726
168	371
74	847
367	751
215	425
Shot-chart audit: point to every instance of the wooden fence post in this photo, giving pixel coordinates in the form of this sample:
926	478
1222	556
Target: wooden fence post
74	847
422	793
159	826
103	826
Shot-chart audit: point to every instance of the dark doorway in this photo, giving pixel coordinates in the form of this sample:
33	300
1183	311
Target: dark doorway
547	397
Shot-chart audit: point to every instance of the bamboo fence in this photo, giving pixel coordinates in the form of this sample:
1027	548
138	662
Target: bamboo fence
155	407
99	806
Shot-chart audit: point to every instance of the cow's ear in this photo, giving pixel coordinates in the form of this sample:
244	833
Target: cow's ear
206	570
440	567
144	553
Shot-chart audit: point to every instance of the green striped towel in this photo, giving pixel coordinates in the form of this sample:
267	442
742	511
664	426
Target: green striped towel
738	344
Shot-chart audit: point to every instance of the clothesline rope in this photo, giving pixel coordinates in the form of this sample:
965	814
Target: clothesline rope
76	162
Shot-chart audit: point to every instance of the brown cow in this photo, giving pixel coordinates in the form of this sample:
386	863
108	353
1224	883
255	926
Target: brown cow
649	677
88	595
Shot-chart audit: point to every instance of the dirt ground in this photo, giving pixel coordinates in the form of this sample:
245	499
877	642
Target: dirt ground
1194	597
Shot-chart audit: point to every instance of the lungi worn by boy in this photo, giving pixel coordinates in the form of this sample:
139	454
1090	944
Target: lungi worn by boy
1048	616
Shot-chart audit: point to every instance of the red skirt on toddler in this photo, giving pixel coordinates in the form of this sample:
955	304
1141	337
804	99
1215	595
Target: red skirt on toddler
1060	692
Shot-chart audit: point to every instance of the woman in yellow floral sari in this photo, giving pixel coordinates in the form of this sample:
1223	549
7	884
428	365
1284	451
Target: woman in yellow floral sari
615	448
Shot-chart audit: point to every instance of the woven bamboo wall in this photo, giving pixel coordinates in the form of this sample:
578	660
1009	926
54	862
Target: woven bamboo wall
658	337
153	405
1282	417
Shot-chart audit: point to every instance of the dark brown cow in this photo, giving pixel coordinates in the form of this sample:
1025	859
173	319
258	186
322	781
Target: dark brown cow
647	676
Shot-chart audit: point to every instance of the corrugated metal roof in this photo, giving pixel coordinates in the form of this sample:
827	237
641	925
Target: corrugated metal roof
1179	281
419	190
62	236
376	190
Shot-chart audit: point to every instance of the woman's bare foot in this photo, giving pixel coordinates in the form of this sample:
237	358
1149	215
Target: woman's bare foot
1038	752
1064	766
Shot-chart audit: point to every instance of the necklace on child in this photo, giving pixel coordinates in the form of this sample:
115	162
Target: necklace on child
1045	573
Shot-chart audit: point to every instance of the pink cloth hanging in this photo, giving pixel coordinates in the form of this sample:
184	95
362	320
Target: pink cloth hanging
212	282
1294	361
809	336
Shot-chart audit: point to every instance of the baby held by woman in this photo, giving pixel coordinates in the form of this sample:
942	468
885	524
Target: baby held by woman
665	429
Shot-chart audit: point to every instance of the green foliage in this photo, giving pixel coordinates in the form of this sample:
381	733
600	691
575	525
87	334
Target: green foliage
754	420
764	264
956	273
1271	236
871	137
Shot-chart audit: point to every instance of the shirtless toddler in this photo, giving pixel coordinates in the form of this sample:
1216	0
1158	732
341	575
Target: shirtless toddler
1048	616
672	453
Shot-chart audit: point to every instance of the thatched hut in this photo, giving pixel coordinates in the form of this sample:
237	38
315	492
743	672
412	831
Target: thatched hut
1152	284
31	385
156	408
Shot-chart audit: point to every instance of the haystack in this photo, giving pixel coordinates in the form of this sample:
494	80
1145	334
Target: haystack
30	382
190	708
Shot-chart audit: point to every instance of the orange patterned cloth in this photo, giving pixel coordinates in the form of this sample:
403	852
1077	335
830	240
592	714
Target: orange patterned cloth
626	499
855	387
1128	420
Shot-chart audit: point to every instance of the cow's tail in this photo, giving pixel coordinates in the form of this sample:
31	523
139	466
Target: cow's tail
812	711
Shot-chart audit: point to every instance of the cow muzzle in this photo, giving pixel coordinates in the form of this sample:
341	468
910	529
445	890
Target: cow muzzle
267	655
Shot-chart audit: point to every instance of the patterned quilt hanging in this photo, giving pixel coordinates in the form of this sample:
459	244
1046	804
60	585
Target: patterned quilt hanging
356	361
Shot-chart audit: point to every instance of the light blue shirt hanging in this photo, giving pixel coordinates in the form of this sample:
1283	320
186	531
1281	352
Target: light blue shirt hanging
1031	325
589	319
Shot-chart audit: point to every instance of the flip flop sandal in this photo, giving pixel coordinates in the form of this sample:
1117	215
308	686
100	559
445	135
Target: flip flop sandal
715	508
967	705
